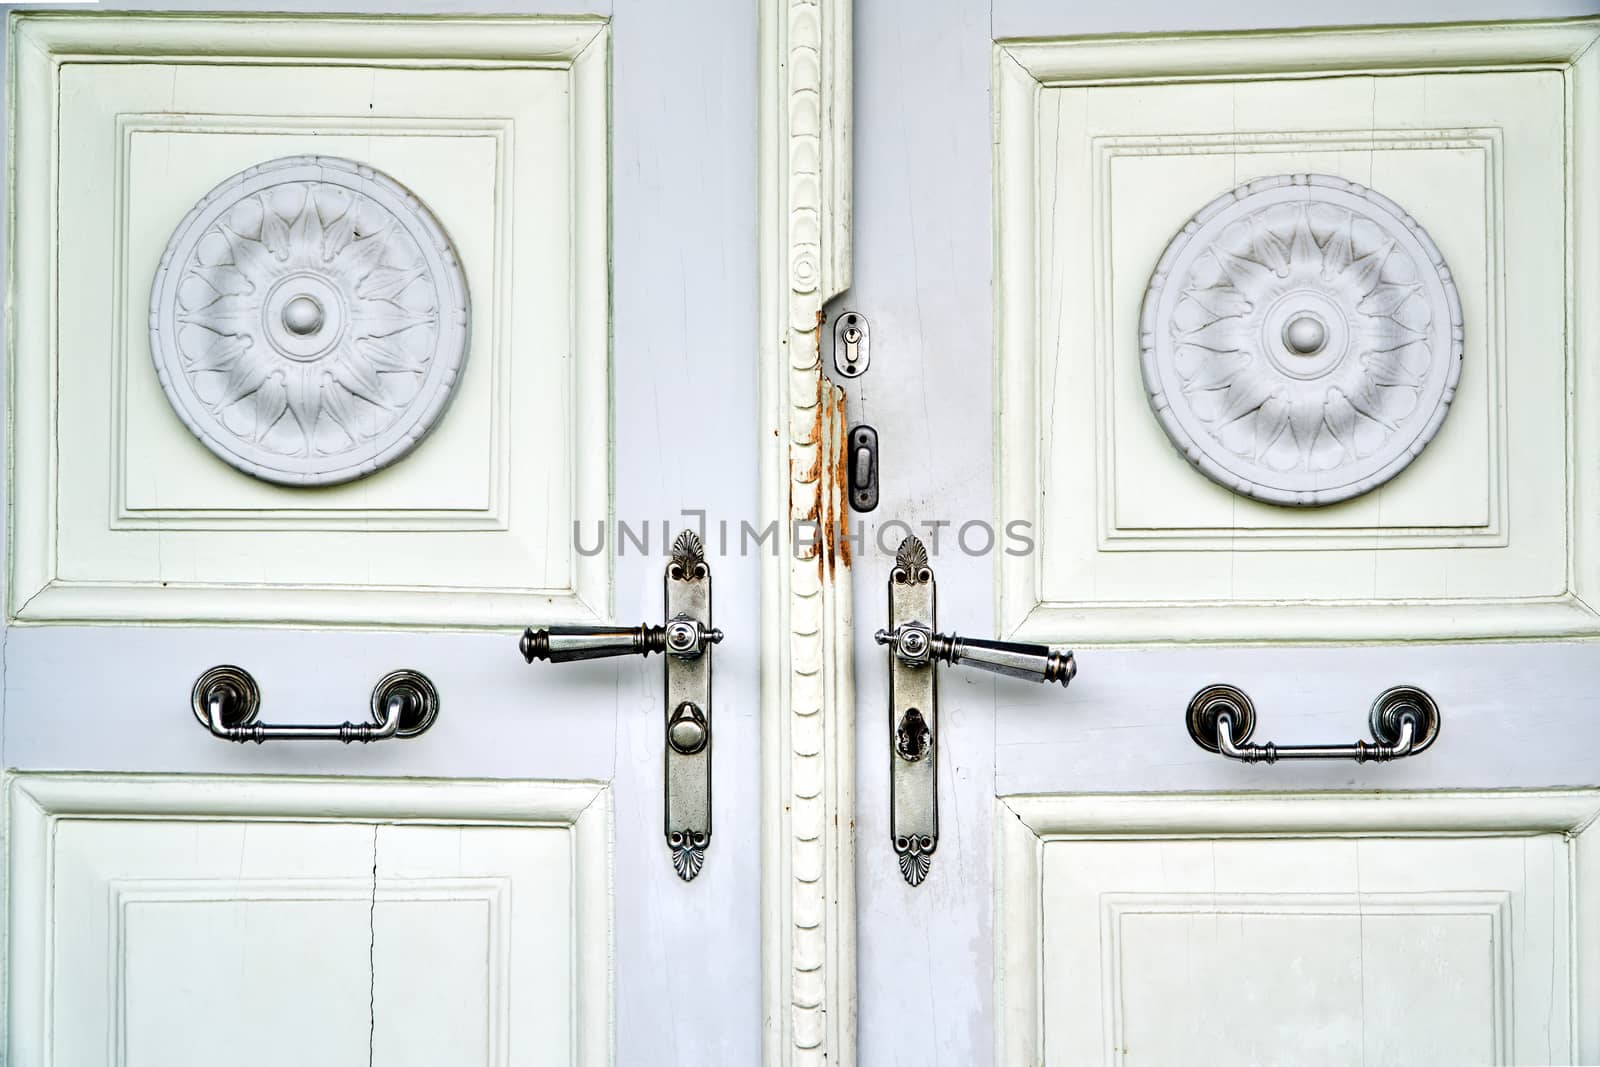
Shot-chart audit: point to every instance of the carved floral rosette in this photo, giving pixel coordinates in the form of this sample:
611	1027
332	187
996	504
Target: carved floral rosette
1301	339
309	320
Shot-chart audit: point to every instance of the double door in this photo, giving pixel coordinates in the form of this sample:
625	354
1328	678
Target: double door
1229	389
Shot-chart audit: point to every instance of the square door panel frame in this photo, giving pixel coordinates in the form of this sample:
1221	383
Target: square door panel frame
1026	823
128	514
1299	528
487	568
37	805
1566	523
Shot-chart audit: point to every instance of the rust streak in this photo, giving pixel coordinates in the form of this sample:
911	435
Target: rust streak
826	472
814	472
809	476
838	528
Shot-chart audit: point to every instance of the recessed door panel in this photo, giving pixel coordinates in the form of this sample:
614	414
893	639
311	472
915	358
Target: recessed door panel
175	912
1406	929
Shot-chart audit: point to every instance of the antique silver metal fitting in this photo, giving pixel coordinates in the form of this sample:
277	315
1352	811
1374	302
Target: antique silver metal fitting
1404	721
686	639
914	647
226	701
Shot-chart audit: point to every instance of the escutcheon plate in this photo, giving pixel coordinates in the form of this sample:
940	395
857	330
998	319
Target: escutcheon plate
913	718
688	703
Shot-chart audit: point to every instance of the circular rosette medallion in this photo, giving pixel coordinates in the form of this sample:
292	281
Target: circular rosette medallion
309	320
1301	339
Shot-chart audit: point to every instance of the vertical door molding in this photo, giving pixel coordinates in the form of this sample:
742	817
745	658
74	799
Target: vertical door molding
808	933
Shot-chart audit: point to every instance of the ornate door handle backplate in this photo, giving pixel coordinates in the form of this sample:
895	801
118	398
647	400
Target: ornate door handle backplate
685	639
914	647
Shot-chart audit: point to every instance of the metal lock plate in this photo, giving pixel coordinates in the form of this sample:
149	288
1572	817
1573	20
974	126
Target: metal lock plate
863	468
688	705
851	344
913	712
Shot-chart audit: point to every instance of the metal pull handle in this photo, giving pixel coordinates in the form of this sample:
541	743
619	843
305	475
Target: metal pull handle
567	644
1404	721
227	700
915	645
686	639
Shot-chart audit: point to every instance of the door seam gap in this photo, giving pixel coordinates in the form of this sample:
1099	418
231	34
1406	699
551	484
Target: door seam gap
372	944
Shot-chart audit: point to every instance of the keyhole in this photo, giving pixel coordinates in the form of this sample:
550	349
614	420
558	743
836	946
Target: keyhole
912	736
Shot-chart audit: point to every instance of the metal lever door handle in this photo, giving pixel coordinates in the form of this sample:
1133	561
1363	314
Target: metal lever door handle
916	645
914	648
227	700
1404	721
568	644
685	639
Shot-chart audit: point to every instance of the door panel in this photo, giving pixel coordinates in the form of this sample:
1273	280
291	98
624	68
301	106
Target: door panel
1415	928
1094	181
131	517
624	173
173	910
1011	211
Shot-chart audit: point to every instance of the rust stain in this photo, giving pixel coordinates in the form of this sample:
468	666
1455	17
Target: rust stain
808	475
826	433
839	528
814	471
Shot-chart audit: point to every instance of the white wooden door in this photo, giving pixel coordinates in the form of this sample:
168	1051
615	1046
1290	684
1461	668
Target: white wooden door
497	890
1103	889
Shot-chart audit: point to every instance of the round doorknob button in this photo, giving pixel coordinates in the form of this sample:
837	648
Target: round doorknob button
686	731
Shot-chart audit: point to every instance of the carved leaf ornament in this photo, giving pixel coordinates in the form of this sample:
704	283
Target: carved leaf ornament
309	320
1301	339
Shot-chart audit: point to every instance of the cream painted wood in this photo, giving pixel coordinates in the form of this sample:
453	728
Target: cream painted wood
942	973
501	130
678	210
1094	176
808	770
156	919
1400	928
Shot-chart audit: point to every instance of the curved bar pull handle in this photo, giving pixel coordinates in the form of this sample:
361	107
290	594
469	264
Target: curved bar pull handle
227	700
916	645
685	639
1404	721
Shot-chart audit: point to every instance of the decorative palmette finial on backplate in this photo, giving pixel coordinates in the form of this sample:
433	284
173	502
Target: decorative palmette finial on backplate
688	557
911	562
688	852
916	856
